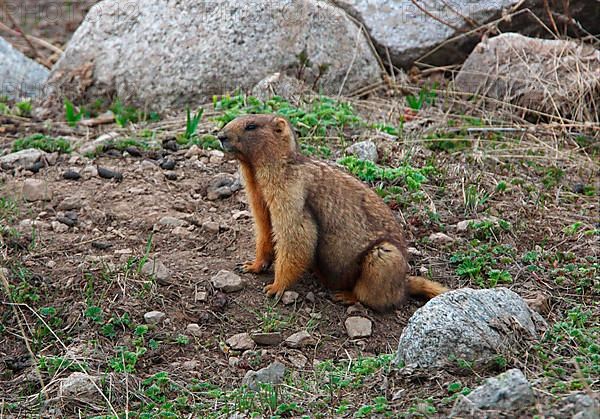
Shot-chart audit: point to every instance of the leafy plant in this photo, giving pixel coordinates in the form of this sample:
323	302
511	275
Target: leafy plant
42	142
426	96
191	123
72	115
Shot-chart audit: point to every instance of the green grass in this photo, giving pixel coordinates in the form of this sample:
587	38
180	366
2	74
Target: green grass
42	142
484	264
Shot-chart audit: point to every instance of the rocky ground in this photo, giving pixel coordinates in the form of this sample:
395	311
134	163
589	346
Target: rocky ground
121	262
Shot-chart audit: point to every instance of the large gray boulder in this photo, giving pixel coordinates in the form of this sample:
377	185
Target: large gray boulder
555	77
437	32
475	326
164	54
20	77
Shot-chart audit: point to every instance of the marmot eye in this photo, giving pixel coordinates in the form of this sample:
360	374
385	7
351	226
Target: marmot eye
251	127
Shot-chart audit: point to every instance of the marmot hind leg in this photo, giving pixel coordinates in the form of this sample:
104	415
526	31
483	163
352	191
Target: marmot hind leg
382	282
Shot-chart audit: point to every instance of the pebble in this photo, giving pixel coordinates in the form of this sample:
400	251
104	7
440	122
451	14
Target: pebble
358	327
194	151
70	203
289	297
300	339
59	227
36	190
78	386
105	173
71	175
171	176
90	171
364	150
273	374
201	296
310	296
440	238
241	214
211	226
154	317
194	329
171	221
267	339
297	359
167	164
240	342
69	222
227	281
133	151
158	269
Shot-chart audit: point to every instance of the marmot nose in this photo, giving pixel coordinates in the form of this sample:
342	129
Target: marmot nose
222	137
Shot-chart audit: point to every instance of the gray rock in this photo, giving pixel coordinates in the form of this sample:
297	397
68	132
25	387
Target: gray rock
222	186
267	339
505	392
70	203
440	238
300	339
212	58
154	317
157	269
211	226
467	324
358	327
194	329
24	158
297	359
364	150
289	297
410	34
240	342
273	374
542	74
20	77
579	406
59	227
278	84
79	386
36	190
227	281
171	221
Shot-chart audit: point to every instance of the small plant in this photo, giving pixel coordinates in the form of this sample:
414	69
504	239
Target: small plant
42	142
191	123
72	115
426	96
125	114
94	313
24	108
475	198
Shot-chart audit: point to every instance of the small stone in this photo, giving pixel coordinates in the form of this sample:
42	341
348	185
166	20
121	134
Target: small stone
69	222
59	227
79	386
267	339
133	151
171	176
273	374
190	365
90	171
300	339
233	361
505	392
158	269
579	188
154	317
414	251
211	226
297	359
289	297
355	308
201	296
440	238
181	231
105	173
241	214
579	406
227	281
194	151
310	296
70	203
240	342
36	190
171	221
147	166
220	187
215	156
171	145
194	329
167	164
358	327
100	245
364	150
71	175
98	144
540	303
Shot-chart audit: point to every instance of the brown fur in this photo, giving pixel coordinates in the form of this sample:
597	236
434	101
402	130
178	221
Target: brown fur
311	216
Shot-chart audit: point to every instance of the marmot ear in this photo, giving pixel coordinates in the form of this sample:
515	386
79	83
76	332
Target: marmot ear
280	125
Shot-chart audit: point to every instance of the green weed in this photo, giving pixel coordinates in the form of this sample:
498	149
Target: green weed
72	114
42	142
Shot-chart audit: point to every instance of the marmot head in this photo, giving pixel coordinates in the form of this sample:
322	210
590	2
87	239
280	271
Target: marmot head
259	138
